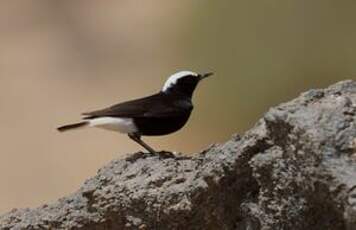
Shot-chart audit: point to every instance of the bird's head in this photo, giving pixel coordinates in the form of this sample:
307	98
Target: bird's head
183	82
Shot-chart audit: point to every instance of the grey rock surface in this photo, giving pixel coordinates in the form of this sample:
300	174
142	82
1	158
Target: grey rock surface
296	169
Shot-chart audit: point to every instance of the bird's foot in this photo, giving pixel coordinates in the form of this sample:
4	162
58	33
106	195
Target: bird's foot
165	154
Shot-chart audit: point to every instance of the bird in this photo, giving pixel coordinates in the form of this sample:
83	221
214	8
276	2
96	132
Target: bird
159	114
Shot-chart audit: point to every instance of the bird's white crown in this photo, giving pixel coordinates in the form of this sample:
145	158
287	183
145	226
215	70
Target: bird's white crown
172	80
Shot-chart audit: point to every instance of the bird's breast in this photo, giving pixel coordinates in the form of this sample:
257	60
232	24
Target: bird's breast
184	104
155	126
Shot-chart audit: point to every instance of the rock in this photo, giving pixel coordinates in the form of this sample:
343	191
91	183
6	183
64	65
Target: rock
296	169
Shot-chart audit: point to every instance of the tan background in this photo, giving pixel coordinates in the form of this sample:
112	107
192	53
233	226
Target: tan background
60	58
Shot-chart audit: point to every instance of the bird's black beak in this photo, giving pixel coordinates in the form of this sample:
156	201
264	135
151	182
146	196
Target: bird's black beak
205	75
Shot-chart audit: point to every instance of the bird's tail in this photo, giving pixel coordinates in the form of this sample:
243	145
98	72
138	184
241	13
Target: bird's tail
73	126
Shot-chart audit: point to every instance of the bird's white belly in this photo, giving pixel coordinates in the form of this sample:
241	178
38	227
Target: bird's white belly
122	125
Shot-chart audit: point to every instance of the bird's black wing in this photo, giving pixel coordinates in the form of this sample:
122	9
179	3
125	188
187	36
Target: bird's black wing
156	105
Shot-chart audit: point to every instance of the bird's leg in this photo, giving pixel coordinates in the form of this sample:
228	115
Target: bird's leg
137	139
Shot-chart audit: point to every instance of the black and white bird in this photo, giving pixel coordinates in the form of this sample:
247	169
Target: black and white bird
159	114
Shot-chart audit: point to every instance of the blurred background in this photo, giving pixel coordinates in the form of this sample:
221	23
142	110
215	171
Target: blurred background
61	58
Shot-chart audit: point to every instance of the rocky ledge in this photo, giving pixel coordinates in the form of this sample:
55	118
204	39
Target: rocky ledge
296	169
